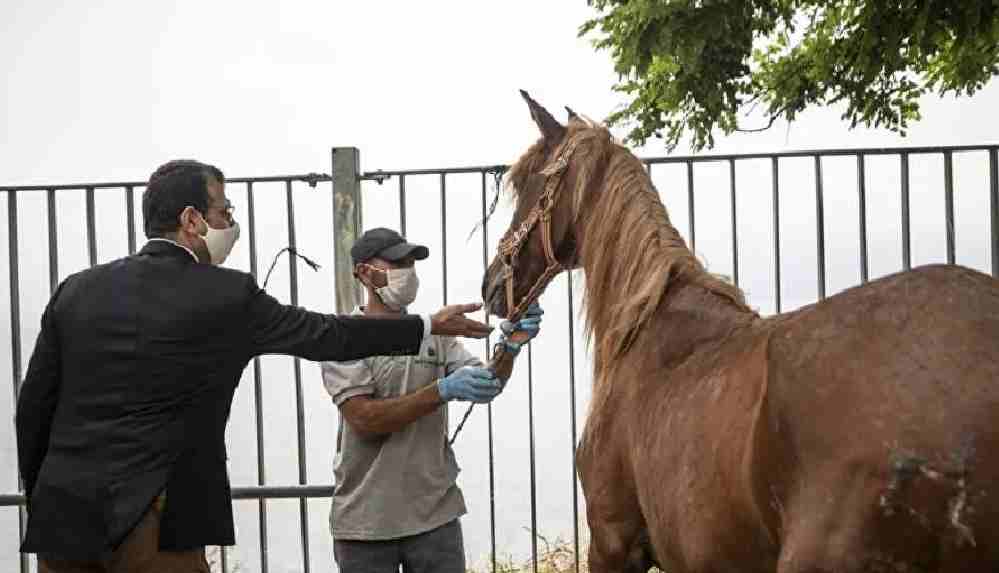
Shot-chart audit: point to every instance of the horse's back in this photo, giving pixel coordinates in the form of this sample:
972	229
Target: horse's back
882	404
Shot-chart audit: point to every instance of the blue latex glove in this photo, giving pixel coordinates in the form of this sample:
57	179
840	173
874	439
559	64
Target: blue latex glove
470	384
529	323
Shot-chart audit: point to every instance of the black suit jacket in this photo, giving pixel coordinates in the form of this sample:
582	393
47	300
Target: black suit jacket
129	388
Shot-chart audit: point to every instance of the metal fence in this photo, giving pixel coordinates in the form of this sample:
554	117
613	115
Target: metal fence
345	185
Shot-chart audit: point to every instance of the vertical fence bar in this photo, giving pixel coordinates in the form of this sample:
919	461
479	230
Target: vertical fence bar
994	207
53	284
735	229
572	422
775	170
303	508
130	213
862	208
91	227
949	204
820	228
22	525
15	292
690	206
15	337
444	234
402	205
534	484
906	224
53	242
489	407
258	392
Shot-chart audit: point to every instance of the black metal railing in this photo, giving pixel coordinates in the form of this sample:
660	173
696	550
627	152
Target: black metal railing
262	492
903	153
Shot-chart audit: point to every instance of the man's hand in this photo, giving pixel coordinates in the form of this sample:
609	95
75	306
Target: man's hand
516	334
451	321
470	384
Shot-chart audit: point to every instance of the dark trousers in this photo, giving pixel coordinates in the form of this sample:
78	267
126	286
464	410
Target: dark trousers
139	553
440	550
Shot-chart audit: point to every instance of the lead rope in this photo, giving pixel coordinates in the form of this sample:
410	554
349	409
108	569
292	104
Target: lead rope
461	424
498	349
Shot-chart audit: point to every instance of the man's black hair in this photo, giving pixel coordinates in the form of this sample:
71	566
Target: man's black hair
173	187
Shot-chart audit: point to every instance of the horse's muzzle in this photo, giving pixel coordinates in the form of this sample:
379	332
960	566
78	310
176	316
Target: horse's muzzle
494	291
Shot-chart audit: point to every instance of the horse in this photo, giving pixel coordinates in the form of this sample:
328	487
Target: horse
860	433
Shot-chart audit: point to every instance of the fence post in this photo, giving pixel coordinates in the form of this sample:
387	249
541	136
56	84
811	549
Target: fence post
346	224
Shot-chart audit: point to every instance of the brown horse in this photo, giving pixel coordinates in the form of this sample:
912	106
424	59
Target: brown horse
857	434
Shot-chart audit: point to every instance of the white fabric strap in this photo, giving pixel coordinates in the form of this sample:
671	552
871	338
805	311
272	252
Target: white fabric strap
426	326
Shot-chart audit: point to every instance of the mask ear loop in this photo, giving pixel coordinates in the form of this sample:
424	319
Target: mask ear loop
373	287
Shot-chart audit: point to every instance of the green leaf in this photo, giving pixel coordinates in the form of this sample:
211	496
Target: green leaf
691	68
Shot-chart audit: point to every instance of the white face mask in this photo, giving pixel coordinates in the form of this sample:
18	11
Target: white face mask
400	290
220	241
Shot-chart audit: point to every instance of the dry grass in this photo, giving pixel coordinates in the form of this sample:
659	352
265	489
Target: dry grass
554	556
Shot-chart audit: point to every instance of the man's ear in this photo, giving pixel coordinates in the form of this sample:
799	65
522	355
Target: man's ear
361	273
190	221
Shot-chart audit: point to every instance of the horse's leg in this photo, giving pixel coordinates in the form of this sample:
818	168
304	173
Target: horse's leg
616	545
617	530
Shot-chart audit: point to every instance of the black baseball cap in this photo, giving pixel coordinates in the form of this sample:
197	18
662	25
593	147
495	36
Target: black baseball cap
385	244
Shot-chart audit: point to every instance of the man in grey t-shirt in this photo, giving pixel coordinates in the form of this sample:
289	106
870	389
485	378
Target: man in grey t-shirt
396	501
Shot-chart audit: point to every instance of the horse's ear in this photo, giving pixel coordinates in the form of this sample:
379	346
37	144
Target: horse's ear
572	115
550	128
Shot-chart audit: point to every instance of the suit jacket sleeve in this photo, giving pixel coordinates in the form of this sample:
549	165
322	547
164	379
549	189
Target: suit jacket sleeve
37	400
276	328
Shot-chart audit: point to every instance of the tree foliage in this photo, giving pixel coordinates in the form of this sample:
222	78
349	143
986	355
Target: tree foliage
695	67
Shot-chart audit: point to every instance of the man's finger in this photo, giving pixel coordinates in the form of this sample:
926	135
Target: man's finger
475	330
475	325
482	374
535	311
486	389
463	308
485	394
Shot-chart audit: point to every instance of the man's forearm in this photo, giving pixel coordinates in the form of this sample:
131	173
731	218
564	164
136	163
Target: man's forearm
388	415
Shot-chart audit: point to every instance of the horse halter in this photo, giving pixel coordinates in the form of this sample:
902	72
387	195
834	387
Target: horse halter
512	243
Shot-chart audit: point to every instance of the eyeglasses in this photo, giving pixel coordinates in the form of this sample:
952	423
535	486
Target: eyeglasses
227	209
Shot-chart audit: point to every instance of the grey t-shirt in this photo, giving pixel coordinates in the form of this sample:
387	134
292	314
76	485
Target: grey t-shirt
403	483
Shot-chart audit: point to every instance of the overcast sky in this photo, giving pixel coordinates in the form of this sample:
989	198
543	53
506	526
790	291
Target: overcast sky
108	90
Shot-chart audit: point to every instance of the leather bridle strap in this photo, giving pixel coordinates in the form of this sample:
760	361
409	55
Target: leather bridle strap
511	244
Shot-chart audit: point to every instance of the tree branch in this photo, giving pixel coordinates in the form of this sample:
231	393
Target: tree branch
769	124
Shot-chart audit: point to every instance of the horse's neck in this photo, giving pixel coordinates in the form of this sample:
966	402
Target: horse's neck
642	277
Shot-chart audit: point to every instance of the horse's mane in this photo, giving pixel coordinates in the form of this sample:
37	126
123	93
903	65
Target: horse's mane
631	252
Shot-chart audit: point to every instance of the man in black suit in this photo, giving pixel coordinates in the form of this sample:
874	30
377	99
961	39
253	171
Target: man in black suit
122	414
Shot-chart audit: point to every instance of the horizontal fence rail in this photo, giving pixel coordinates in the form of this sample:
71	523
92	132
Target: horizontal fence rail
490	175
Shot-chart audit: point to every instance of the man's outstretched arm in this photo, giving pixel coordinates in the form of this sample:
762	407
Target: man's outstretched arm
276	328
